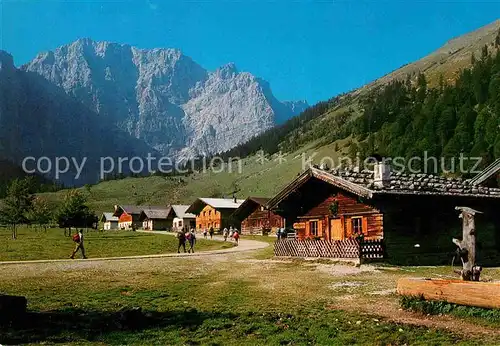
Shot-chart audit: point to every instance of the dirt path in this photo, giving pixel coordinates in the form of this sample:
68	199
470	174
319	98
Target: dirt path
243	246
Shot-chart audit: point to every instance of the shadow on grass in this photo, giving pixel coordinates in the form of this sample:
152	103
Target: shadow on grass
79	325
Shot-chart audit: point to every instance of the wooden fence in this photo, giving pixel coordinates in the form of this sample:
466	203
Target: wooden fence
348	248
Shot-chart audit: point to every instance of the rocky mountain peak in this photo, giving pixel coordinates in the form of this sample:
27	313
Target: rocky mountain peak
227	71
164	97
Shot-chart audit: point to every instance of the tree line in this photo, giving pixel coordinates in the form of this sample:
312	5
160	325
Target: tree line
10	171
22	206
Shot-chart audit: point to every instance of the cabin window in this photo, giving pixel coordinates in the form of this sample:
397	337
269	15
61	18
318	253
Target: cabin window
313	226
180	223
209	213
357	225
199	226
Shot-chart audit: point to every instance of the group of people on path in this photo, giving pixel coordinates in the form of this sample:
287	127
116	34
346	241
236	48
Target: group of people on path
190	237
231	233
211	231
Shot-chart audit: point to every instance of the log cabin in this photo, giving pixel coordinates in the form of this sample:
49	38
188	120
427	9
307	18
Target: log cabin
157	218
109	221
414	214
128	216
183	220
256	218
214	212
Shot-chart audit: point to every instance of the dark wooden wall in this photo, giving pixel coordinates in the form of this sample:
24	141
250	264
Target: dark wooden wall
431	222
260	219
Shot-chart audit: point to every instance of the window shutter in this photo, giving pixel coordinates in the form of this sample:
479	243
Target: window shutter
365	225
349	227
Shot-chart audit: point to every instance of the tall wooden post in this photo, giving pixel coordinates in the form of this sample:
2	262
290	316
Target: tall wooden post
467	246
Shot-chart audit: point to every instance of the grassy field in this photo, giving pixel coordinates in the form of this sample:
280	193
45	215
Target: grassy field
230	299
256	179
36	245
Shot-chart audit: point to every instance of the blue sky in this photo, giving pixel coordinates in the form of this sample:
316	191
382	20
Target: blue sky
309	50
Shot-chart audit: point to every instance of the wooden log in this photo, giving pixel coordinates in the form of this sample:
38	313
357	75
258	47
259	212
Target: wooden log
471	293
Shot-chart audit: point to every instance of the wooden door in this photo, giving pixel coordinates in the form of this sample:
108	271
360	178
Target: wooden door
336	229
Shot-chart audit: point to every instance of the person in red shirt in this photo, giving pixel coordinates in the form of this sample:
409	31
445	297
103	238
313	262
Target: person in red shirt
236	236
78	239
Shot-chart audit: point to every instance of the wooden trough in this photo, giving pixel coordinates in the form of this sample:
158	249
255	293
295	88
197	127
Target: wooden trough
471	293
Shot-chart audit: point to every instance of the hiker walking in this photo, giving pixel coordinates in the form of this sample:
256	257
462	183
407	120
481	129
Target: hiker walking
211	232
236	237
205	233
78	239
231	232
225	233
181	236
192	241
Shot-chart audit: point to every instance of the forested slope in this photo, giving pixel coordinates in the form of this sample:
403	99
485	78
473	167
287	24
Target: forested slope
432	95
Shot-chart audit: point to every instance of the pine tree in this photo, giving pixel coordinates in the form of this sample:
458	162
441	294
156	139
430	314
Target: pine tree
74	212
484	52
17	204
353	151
421	87
40	213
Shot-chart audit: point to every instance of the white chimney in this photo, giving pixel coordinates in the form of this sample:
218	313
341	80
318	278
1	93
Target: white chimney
382	174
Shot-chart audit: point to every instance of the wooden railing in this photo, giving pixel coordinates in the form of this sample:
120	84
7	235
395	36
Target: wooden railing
348	248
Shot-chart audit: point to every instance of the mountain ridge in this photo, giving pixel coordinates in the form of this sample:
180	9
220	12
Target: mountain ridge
164	97
38	119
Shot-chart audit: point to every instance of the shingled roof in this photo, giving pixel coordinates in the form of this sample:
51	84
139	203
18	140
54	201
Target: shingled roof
401	183
216	203
362	183
248	206
105	217
156	213
180	211
487	173
137	209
